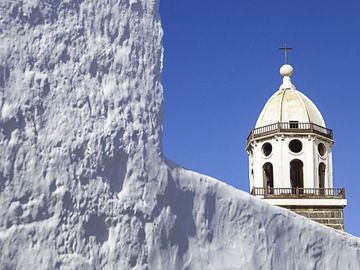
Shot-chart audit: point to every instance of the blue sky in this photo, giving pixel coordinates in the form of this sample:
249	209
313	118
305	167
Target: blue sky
222	64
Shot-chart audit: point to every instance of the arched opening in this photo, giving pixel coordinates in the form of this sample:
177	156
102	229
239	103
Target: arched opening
322	170
297	176
268	175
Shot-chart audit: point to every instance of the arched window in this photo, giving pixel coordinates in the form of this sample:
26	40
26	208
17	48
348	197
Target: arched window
297	176
268	175
322	170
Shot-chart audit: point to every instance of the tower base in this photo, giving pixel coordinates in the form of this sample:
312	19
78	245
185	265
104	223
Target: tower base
332	216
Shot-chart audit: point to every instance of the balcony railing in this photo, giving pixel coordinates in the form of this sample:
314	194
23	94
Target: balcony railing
299	193
291	127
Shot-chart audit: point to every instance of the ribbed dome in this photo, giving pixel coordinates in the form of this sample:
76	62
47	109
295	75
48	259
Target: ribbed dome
289	104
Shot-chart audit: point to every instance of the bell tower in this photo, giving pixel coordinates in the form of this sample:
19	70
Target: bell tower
290	156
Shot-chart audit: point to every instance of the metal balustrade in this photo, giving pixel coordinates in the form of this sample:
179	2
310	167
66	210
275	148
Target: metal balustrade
290	127
299	193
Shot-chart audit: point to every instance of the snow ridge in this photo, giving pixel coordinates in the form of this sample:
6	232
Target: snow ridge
83	182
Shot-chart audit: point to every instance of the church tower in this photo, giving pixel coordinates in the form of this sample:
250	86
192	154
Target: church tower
290	157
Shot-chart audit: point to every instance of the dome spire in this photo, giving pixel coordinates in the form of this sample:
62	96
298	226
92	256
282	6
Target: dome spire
286	71
285	49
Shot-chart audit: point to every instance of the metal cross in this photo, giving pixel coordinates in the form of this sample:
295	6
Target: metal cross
285	49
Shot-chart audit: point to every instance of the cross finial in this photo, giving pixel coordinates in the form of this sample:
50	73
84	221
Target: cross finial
285	49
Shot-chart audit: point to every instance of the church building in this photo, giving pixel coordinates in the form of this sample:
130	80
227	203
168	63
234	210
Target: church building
290	157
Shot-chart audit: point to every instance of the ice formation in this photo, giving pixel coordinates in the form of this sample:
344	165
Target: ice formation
83	182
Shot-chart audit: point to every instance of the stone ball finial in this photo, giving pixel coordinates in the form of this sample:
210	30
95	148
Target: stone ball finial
286	70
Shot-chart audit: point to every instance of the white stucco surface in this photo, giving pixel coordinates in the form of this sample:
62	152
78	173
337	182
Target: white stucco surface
307	202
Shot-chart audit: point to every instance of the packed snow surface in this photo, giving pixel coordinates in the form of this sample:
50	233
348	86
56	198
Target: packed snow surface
83	182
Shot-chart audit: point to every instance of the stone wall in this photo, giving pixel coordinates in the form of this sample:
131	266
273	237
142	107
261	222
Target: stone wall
329	216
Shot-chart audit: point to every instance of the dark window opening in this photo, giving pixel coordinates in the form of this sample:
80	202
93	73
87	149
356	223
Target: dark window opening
268	175
294	124
267	149
322	170
297	176
295	146
321	149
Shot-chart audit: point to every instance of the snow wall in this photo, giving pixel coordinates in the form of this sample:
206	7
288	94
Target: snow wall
83	182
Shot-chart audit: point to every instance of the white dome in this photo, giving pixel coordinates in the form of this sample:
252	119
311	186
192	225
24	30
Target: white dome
289	104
